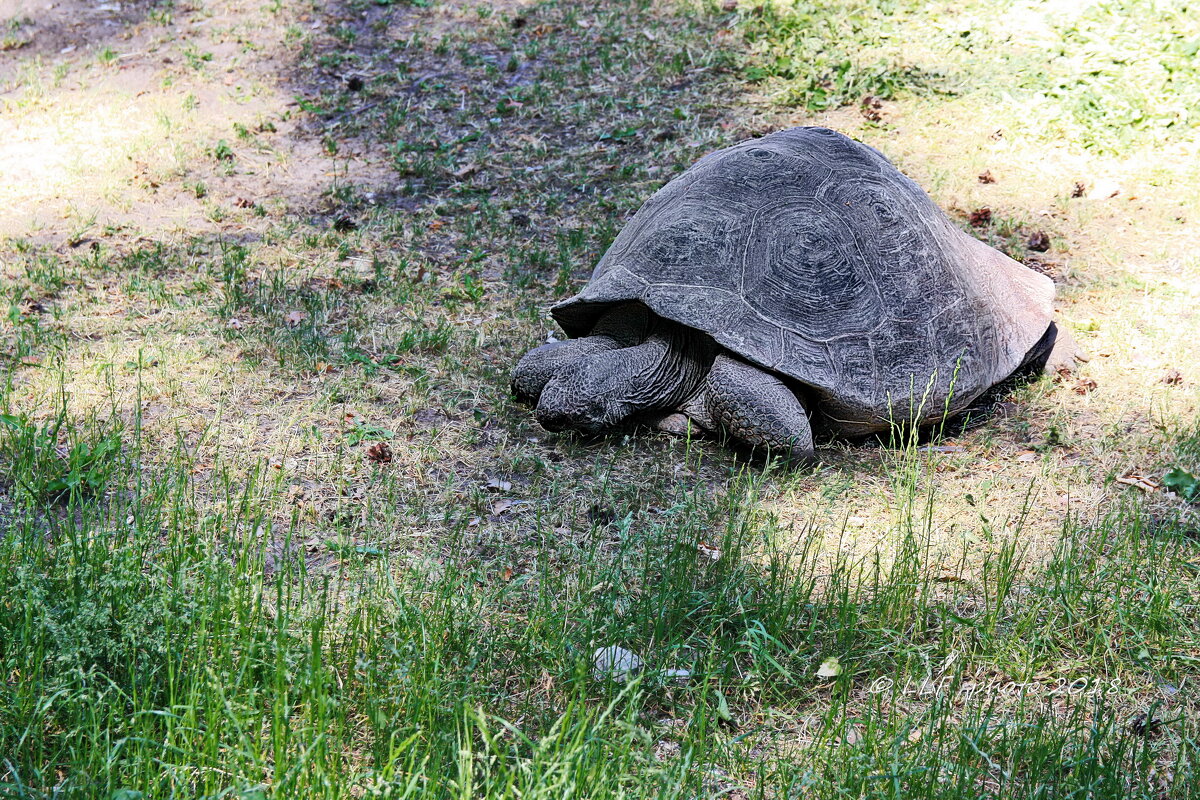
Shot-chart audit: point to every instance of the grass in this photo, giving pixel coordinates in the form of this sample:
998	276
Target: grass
175	640
215	581
1105	76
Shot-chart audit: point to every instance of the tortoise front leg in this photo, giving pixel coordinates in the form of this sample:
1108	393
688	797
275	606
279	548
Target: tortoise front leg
755	407
606	389
539	365
624	326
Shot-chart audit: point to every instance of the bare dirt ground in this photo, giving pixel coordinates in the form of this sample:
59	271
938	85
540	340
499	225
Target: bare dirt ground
122	108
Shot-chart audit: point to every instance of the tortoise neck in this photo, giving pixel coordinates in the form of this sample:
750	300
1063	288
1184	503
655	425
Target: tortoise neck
668	367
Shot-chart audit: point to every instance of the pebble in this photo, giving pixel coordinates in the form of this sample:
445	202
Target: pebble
677	675
614	662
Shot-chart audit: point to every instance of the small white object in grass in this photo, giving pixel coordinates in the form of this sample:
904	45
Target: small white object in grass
830	668
707	550
678	675
856	522
1104	189
614	662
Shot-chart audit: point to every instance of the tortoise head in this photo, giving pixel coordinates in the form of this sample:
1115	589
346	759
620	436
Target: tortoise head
587	396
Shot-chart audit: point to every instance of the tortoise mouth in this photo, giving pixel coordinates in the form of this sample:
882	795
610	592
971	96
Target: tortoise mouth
558	422
552	421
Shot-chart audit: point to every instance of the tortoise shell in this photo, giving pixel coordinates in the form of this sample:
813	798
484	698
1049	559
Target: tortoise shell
809	254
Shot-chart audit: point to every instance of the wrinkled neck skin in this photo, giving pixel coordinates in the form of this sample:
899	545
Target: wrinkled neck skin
677	362
606	389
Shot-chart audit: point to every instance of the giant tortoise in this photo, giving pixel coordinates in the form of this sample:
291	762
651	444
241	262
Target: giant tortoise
794	280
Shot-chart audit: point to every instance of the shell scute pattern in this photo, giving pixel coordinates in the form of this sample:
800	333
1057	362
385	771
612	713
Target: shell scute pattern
810	254
800	254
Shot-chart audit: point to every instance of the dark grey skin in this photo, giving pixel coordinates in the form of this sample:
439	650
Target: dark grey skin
635	365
